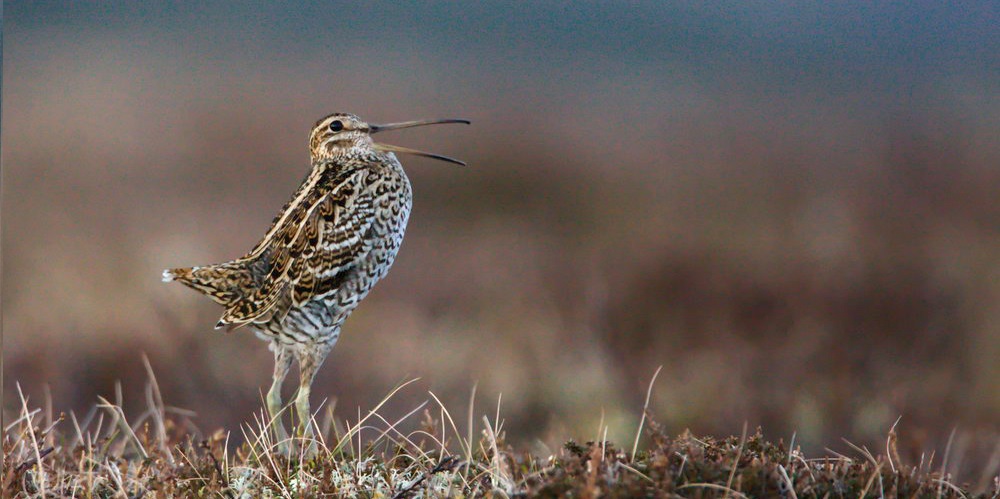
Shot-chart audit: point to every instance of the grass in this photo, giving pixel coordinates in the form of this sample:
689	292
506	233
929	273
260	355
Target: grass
424	454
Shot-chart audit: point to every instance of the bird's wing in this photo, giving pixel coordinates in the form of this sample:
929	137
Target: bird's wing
317	238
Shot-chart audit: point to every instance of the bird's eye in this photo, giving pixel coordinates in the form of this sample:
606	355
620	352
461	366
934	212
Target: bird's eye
336	126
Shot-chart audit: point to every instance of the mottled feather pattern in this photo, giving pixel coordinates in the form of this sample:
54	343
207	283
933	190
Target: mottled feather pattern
319	233
324	251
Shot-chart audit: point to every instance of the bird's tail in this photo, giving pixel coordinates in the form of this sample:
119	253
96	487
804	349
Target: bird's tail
222	282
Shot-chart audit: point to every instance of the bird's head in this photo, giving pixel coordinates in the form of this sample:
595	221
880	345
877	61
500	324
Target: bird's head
343	135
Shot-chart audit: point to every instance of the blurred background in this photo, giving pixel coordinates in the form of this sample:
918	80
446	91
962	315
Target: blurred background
790	206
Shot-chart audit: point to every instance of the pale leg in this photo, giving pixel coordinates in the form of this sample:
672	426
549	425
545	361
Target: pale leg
310	359
282	362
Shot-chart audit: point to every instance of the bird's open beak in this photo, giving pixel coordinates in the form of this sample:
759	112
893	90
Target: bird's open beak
406	150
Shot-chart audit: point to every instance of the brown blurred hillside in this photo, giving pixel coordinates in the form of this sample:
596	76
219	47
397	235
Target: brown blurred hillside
816	261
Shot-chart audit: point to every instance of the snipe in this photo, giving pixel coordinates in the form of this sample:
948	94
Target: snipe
326	249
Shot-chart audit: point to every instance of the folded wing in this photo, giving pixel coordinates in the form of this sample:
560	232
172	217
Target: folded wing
317	241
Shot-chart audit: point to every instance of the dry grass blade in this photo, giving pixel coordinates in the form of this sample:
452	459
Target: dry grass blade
791	450
713	486
454	428
990	471
42	478
788	481
498	468
349	434
955	489
835	454
466	444
890	446
399	457
636	472
119	414
871	480
404	441
24	416
471	425
645	407
944	462
154	400
736	462
863	451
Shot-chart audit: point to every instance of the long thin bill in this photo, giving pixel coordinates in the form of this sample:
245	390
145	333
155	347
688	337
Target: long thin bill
411	124
406	150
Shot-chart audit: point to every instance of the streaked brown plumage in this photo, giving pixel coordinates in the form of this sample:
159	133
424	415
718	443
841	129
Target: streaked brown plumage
323	253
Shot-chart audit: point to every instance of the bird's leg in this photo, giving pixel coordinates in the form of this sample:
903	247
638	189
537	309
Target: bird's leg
309	361
282	362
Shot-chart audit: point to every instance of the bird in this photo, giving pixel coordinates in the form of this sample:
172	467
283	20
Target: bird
324	251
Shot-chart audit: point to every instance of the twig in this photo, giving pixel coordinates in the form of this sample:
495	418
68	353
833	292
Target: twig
447	463
34	459
218	467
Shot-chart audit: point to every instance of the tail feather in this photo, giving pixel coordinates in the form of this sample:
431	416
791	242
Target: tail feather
232	285
223	283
